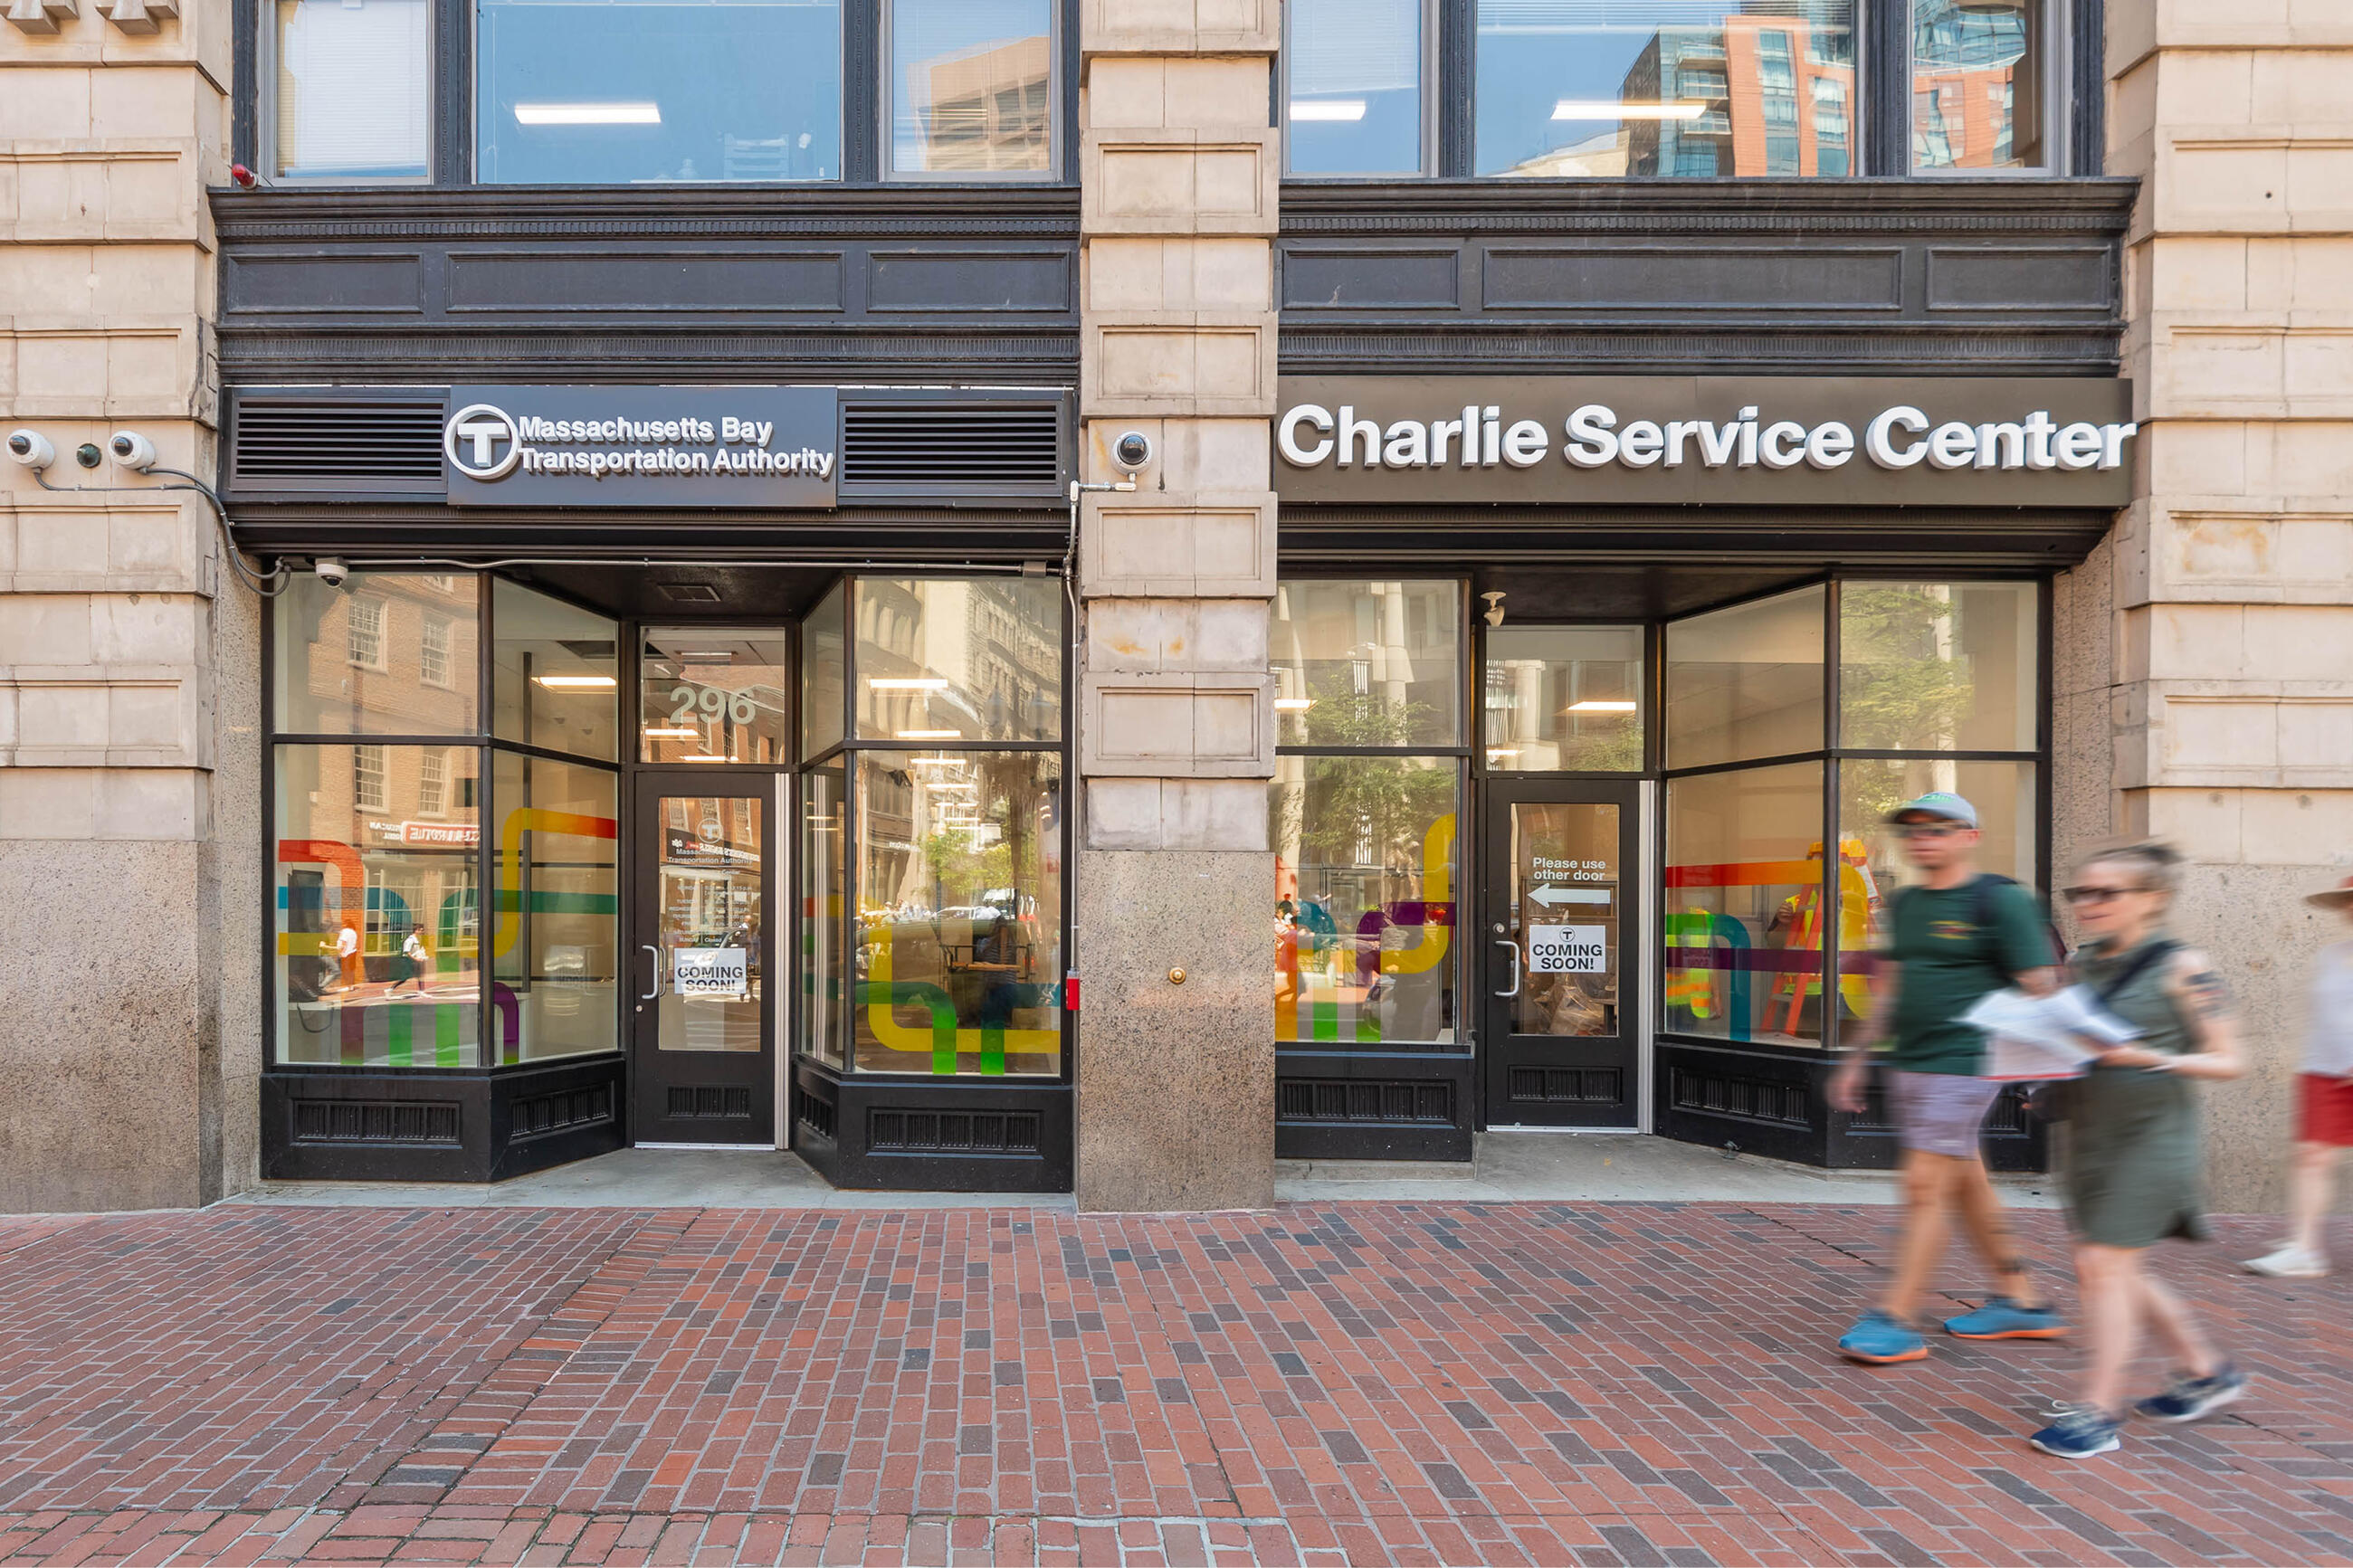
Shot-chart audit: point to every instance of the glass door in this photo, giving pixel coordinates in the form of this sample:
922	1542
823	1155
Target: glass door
701	1034
1558	931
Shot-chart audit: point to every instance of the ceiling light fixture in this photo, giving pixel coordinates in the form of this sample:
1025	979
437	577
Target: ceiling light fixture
706	759
1293	704
578	682
907	682
1600	705
1340	109
587	114
677	734
927	734
1602	109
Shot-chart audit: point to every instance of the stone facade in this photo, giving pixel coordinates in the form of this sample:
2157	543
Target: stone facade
2205	659
1179	172
128	662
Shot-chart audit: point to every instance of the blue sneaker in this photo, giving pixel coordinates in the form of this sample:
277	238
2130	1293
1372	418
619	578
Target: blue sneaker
2078	1435
1878	1340
2003	1319
2187	1398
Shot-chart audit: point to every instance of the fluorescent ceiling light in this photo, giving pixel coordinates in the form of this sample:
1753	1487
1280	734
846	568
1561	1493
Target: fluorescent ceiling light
937	762
927	734
1598	705
1293	704
1603	109
706	759
578	682
907	682
716	656
677	734
587	113
1326	108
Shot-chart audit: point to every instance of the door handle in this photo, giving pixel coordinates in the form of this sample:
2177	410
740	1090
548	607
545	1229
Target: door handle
656	992
1513	949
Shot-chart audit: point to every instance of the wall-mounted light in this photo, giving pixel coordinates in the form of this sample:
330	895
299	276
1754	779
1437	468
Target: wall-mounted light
587	113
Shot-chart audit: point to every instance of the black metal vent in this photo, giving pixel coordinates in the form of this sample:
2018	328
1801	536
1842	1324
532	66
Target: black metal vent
1303	1100
376	1122
952	448
298	442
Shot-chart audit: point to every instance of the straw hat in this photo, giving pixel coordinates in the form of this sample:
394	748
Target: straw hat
2335	897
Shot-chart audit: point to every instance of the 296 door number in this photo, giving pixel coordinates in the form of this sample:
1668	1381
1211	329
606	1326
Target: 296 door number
710	702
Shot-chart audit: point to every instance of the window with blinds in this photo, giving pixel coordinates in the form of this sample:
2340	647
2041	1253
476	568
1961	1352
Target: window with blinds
353	89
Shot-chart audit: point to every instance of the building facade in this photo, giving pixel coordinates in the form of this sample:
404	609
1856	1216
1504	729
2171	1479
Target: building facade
1041	595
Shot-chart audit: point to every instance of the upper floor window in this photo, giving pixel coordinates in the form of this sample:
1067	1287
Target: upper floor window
1978	70
1353	73
971	88
351	85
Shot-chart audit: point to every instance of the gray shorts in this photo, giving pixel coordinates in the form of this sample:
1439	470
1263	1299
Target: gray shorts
1938	1112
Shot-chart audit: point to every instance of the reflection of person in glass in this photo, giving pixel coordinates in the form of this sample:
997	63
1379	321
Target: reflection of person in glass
1796	1008
347	955
415	959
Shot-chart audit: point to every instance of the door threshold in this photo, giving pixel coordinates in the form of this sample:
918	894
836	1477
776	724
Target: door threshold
721	1148
1524	1127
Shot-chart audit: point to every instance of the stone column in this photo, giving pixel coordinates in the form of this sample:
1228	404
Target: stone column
2205	661
1180	165
130	829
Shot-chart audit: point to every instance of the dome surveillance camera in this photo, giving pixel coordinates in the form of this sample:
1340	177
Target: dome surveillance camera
1132	451
31	449
330	571
133	451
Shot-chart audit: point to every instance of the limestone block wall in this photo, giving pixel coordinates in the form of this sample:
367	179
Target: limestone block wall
129	672
1180	168
2205	668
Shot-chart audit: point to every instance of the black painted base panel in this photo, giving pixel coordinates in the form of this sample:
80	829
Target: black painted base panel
434	1126
924	1135
1384	1105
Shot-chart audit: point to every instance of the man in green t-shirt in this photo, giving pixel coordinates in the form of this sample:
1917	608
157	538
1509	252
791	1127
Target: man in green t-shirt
1953	937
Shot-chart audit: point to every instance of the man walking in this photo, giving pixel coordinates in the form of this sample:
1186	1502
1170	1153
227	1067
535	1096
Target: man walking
1953	938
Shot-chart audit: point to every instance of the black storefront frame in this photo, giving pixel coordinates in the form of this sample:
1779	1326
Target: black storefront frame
505	1119
830	1112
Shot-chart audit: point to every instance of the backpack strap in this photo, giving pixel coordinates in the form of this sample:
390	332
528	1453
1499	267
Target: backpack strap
2147	958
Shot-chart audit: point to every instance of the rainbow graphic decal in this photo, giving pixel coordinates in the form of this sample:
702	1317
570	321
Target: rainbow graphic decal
883	997
1707	979
1328	979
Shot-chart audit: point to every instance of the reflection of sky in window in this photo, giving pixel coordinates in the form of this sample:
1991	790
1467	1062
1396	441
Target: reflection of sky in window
1536	55
577	91
1353	69
1949	36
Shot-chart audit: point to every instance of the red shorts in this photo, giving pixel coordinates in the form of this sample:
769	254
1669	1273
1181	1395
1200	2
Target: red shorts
2325	1110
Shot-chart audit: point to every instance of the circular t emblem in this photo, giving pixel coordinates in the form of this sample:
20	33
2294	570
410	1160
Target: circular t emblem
481	442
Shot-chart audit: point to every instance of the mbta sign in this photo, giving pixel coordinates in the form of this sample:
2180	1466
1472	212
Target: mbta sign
643	447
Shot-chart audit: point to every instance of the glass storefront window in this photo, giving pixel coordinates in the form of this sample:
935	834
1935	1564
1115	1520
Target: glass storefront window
1747	681
625	93
1665	87
824	869
822	673
1937	667
1368	664
556	680
1976	94
963	659
378	924
1563	699
1353	74
555	942
1364	901
713	697
1745	934
353	89
385	654
972	88
959	914
710	912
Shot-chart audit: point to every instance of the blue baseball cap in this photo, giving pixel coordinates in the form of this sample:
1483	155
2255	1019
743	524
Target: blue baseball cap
1942	805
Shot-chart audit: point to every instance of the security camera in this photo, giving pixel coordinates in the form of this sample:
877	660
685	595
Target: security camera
133	451
330	571
31	449
1132	451
1494	598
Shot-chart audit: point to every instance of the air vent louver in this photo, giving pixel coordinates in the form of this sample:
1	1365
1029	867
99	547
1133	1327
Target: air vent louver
952	448
306	440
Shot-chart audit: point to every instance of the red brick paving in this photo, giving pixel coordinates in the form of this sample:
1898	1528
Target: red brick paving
1334	1382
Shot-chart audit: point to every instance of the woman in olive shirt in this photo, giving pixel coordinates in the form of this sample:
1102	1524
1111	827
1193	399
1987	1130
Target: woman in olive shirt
2134	1174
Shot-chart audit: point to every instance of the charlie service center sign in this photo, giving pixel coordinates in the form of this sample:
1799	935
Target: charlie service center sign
1730	440
641	446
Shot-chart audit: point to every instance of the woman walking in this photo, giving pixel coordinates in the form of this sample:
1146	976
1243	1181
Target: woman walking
2134	1166
2324	1105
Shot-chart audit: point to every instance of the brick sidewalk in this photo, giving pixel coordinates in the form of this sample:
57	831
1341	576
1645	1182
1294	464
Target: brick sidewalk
1359	1382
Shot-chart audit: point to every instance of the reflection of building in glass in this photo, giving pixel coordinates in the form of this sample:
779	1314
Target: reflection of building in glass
984	108
976	660
1967	60
1759	95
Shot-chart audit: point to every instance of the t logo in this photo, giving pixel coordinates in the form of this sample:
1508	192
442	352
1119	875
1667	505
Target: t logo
481	442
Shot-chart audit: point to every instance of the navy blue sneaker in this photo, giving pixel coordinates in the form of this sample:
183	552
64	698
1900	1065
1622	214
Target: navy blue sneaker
2078	1435
1878	1340
2003	1319
2187	1398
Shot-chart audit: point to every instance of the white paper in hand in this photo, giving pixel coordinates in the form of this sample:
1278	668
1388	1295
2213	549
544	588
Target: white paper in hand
2035	1037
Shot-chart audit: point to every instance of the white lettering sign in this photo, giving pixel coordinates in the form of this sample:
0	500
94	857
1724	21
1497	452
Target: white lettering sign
1569	950
710	971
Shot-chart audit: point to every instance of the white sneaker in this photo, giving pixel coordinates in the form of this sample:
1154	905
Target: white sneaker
2288	1263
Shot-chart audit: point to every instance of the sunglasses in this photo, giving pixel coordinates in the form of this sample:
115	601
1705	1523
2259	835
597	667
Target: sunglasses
1929	829
2096	895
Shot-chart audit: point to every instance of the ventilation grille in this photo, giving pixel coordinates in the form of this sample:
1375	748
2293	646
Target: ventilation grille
306	440
1591	1085
560	1113
951	1132
1748	1099
720	1101
815	1114
1327	1100
943	448
376	1122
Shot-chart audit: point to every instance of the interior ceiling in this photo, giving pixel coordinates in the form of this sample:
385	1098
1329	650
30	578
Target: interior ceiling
1625	592
688	593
